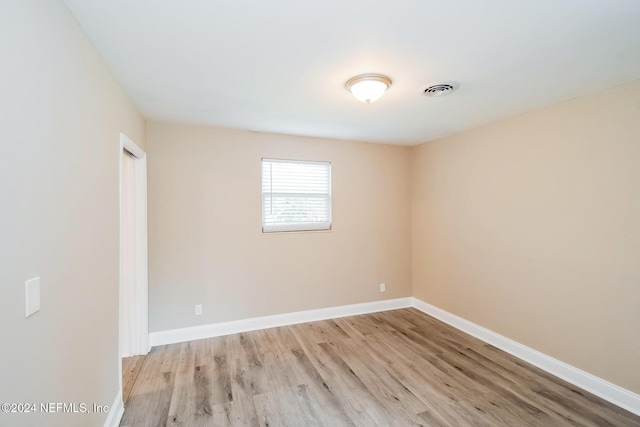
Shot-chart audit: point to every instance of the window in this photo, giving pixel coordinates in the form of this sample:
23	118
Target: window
296	195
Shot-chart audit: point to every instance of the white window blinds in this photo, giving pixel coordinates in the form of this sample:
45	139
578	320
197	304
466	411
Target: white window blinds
296	195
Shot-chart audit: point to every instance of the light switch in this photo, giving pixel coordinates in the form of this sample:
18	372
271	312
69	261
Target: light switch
32	295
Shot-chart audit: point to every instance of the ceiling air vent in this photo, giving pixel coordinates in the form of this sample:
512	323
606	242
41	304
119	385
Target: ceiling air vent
439	89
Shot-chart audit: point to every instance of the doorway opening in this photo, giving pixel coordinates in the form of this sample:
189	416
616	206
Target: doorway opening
134	309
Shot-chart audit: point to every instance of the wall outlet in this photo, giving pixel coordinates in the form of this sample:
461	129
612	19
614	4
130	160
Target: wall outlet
383	287
198	309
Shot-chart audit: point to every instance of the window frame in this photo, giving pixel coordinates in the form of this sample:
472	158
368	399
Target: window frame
297	227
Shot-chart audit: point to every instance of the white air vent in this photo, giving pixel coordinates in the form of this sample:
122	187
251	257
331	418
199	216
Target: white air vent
439	89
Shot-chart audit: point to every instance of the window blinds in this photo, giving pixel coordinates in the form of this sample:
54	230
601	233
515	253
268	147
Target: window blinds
296	195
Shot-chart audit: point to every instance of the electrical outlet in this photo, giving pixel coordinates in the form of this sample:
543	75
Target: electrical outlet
198	309
383	287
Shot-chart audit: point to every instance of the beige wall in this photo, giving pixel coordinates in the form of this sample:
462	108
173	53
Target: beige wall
206	243
530	227
61	113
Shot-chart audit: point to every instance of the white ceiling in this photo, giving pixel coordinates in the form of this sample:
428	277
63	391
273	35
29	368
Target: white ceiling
280	65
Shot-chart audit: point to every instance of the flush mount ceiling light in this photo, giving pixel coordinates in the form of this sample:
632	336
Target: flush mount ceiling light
368	87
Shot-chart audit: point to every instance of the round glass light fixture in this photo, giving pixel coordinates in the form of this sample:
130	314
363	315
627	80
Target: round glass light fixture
368	87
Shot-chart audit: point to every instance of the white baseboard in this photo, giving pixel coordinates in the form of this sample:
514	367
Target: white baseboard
617	395
115	412
237	326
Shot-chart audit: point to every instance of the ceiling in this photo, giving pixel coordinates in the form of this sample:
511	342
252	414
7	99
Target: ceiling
281	65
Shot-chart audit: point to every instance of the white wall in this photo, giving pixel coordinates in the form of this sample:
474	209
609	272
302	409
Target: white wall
61	112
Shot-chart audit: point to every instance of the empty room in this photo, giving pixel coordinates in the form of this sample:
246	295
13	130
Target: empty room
335	213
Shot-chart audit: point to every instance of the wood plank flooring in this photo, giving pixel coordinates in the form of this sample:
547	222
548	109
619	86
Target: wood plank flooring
130	369
396	368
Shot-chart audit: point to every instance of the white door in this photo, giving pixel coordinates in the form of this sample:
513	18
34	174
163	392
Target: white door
128	290
134	333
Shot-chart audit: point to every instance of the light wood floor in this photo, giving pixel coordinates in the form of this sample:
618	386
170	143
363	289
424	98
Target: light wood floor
397	368
130	369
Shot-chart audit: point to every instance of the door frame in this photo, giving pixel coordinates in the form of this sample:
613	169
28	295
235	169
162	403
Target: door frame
140	317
